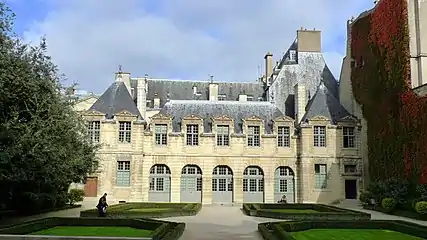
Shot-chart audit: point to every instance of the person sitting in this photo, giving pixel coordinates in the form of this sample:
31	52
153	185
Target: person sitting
102	205
283	199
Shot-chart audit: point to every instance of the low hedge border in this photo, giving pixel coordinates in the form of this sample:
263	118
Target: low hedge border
7	214
324	212
121	210
282	230
397	212
162	230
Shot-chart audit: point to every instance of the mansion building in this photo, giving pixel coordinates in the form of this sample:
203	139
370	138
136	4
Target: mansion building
286	134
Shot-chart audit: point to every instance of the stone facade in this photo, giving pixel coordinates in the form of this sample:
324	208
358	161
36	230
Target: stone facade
224	142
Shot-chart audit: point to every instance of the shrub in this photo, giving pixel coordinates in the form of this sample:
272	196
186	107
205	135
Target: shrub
365	197
28	202
388	204
62	199
421	207
421	189
47	200
76	195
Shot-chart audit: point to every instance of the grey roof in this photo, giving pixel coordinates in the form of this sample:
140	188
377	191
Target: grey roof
167	89
208	109
324	104
114	100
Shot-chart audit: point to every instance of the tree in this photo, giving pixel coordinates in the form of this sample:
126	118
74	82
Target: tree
43	143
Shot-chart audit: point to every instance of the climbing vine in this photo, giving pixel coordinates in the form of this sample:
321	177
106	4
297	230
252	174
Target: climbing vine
381	82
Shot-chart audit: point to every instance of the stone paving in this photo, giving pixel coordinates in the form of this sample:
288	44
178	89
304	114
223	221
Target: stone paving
216	222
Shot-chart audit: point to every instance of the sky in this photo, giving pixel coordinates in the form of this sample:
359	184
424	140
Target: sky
178	39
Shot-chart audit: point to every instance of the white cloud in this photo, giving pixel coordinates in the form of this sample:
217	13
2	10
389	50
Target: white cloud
88	39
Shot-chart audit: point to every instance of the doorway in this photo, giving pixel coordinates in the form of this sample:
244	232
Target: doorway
350	189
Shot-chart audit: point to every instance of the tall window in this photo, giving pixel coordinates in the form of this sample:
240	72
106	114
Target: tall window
283	137
222	135
253	136
320	176
348	137
93	130
192	134
319	136
125	130
123	174
161	134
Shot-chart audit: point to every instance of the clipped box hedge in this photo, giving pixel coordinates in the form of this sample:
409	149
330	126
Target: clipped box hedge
148	210
161	230
283	230
322	212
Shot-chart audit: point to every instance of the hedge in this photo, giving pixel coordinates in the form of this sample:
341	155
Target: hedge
162	230
324	212
282	230
159	210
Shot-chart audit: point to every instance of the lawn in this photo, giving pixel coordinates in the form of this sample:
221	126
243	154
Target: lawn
294	210
351	234
94	231
150	209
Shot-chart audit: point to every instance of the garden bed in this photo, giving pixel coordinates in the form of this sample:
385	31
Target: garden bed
303	212
76	228
397	212
147	210
345	230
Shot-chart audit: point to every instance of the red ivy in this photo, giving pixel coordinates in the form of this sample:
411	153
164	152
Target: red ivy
396	116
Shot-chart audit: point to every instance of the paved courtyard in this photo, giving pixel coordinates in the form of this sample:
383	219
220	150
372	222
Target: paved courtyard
222	222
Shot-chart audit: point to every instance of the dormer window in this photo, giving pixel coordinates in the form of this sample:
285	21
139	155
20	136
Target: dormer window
194	90
221	98
292	55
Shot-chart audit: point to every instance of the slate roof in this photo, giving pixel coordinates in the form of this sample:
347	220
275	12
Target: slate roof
208	109
114	100
167	89
325	104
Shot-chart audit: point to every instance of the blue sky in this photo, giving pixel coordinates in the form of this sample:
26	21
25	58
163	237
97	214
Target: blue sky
185	39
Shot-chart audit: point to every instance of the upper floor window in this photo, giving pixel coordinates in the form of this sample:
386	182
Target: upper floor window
161	134
348	137
93	129
132	93
192	134
223	135
125	130
123	174
249	98
320	176
221	98
283	136
319	136
253	136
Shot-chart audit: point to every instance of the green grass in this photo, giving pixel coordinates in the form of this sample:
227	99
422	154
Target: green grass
151	209
94	231
294	210
351	234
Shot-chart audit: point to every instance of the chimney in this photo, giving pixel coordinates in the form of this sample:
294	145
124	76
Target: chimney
300	101
243	97
213	91
141	96
309	40
124	77
156	101
268	66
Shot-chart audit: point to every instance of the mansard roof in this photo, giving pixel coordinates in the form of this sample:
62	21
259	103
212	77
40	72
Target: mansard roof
114	100
325	104
183	90
206	110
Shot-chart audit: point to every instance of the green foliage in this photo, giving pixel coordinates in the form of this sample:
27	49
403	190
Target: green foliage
43	142
391	188
421	207
365	197
388	204
76	195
